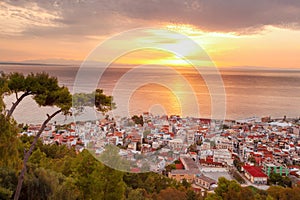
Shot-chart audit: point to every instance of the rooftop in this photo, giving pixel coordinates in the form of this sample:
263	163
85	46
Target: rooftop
254	171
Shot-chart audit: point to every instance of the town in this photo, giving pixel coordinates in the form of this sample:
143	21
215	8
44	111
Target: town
254	151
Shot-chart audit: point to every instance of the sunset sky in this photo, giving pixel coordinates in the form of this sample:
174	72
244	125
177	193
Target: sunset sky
260	33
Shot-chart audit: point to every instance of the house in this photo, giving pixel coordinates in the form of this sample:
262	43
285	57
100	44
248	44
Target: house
180	174
255	174
188	162
189	172
204	182
176	144
223	143
222	156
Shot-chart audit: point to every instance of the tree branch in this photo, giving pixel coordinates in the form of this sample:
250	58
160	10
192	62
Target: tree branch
13	107
28	153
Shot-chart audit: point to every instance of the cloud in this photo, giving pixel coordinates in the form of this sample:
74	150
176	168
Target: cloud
99	17
217	15
16	19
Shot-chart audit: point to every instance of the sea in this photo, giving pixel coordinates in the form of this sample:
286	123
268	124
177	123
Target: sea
226	93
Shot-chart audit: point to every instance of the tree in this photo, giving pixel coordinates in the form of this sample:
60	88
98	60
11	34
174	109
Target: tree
102	102
252	160
277	179
222	188
228	189
274	191
185	183
3	89
46	92
278	192
146	133
7	182
138	119
170	167
110	157
225	126
59	97
213	196
237	163
40	183
41	86
9	154
137	194
191	195
171	193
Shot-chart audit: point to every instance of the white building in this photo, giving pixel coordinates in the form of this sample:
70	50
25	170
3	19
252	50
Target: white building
223	156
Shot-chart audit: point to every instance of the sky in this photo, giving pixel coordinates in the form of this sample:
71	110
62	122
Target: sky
260	33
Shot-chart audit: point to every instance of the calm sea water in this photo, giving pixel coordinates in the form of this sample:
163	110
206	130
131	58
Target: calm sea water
176	91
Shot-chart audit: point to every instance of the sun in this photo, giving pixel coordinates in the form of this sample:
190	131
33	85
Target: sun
174	47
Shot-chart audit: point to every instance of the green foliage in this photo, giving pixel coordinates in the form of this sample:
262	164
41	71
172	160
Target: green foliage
191	195
278	192
225	126
43	89
213	196
9	143
146	133
137	194
277	179
177	162
252	159
236	175
40	183
102	102
138	119
185	183
5	193
83	99
3	89
150	182
170	167
37	157
212	144
231	190
238	164
26	142
171	193
110	157
7	182
17	83
57	151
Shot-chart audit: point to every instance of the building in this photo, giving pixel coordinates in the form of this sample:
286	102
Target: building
188	162
255	175
189	172
222	156
180	174
277	169
176	144
205	182
224	143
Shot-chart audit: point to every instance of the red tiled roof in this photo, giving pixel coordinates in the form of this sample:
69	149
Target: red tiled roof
119	134
179	166
254	171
